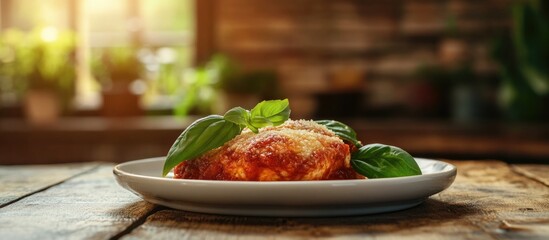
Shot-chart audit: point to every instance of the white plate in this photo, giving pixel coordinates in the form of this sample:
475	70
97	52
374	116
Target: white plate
290	198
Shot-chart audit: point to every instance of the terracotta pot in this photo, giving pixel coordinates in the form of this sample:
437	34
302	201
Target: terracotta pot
42	107
453	52
121	105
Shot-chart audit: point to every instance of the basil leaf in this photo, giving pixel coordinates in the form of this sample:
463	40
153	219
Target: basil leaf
260	122
254	129
274	111
384	161
238	115
343	131
213	131
242	117
201	136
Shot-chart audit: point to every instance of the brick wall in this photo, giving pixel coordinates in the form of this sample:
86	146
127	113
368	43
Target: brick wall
355	49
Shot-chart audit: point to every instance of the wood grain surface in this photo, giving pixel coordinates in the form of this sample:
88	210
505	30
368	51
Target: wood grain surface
488	200
533	171
89	206
20	181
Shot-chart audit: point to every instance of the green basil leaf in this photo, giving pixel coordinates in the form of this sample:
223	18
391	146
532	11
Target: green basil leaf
254	129
213	131
275	111
343	131
238	115
384	161
260	122
201	136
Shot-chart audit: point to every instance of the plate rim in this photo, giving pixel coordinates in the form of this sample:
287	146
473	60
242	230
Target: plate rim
450	169
301	208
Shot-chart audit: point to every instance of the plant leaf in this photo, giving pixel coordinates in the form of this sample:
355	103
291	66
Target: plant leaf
274	111
213	131
260	122
384	161
343	131
238	115
201	136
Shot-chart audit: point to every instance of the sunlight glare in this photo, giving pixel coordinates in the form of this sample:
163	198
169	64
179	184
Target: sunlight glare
49	34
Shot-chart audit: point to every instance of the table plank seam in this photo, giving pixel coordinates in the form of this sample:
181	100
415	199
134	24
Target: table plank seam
525	174
140	221
48	187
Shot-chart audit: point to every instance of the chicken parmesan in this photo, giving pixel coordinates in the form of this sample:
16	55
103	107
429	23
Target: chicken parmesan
294	151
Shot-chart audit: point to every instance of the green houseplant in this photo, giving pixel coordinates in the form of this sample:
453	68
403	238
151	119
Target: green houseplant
41	66
523	55
197	92
117	69
220	84
242	88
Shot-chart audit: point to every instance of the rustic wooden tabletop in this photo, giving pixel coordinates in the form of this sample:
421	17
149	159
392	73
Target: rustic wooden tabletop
488	200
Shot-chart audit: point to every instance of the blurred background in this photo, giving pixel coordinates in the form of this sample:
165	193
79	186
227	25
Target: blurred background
103	80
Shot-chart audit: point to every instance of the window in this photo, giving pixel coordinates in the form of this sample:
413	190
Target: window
157	29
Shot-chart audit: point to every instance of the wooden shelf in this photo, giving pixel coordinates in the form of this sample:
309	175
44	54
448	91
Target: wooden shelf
117	140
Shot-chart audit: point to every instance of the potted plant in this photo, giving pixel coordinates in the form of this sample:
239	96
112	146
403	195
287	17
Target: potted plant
457	91
242	88
42	65
117	69
523	54
220	85
451	86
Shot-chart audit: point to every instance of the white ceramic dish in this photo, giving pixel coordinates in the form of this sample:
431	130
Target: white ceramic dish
295	198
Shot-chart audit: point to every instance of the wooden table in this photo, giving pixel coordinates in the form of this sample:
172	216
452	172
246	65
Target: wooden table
489	200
